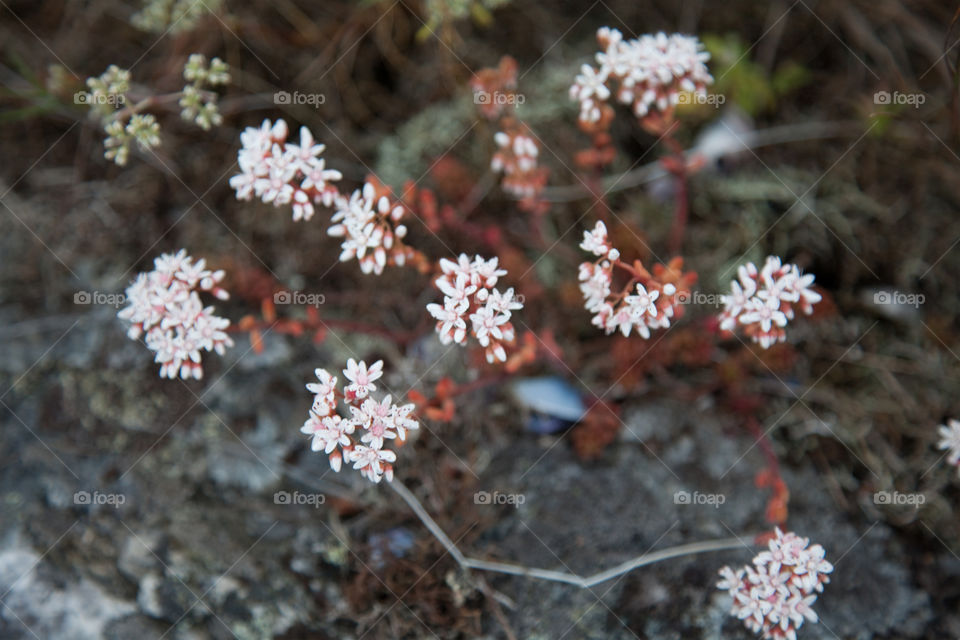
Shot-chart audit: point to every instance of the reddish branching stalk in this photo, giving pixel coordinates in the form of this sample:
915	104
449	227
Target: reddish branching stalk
676	164
313	323
769	477
657	298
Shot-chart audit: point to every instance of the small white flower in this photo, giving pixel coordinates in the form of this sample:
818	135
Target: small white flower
305	155
451	326
766	313
459	290
324	401
327	384
486	271
486	325
596	241
503	302
642	304
362	378
950	441
371	460
595	285
735	303
591	84
401	420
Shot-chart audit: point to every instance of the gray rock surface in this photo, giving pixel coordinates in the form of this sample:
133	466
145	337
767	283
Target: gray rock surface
200	549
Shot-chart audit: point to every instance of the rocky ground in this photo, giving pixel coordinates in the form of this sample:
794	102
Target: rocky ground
199	548
135	507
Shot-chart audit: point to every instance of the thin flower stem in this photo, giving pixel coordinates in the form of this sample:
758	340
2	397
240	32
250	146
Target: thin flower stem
297	327
626	267
429	523
549	574
682	212
644	174
150	101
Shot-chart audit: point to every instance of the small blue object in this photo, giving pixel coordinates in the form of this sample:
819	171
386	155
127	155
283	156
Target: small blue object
540	423
396	541
553	403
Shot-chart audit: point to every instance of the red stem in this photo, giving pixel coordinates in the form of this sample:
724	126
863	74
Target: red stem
679	171
765	446
303	326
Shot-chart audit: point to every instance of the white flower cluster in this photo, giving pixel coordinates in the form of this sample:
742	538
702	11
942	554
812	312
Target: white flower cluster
371	230
649	73
165	305
776	594
516	158
283	173
360	437
950	441
468	293
639	311
763	301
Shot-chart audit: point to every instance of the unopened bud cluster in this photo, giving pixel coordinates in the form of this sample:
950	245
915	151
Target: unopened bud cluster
516	158
121	118
517	154
173	16
198	104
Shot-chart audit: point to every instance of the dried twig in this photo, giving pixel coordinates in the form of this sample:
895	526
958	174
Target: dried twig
549	574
